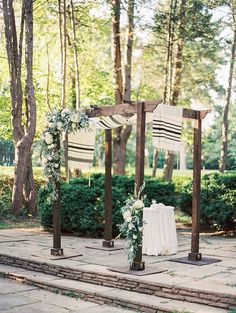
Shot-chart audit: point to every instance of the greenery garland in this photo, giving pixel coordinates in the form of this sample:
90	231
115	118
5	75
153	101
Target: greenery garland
132	227
59	122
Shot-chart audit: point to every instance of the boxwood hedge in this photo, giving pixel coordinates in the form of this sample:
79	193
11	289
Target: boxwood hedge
218	200
82	210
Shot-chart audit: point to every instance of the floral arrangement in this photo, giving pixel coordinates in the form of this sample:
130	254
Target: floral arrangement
58	122
132	227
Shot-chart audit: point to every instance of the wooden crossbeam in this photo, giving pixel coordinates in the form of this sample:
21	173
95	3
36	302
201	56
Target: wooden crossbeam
131	108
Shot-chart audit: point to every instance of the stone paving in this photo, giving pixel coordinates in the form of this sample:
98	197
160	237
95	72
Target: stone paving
217	277
20	298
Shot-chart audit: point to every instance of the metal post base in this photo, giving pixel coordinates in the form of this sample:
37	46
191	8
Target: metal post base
194	256
57	251
108	243
137	266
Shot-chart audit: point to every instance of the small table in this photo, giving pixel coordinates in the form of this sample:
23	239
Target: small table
159	233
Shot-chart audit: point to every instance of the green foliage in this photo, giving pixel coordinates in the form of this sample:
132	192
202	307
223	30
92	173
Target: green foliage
6	184
82	206
5	196
218	200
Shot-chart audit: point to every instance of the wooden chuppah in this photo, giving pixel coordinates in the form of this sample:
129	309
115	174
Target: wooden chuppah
140	108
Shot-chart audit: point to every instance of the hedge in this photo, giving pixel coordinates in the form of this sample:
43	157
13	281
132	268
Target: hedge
6	185
218	200
82	209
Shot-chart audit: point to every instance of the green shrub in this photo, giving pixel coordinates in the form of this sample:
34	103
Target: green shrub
6	185
218	200
82	206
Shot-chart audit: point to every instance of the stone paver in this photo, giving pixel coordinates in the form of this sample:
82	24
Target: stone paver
58	300
13	300
103	309
7	287
220	277
24	300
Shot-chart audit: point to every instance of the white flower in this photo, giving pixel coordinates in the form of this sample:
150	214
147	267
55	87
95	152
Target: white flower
59	125
44	161
74	118
130	226
49	158
134	236
74	126
56	165
65	111
48	138
138	204
126	214
129	219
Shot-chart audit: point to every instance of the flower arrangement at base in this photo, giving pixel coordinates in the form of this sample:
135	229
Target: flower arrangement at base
132	227
59	122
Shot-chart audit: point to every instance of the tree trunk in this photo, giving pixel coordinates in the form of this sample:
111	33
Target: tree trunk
169	158
224	131
122	133
173	14
75	52
23	137
48	80
154	163
21	158
129	50
29	189
168	166
62	34
118	85
30	105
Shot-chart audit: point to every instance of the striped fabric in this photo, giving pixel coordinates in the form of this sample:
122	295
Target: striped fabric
167	125
81	149
108	122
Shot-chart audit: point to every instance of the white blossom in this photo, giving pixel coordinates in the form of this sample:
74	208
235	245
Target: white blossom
126	214
138	204
135	236
65	111
74	126
59	125
129	219
130	226
48	138
74	118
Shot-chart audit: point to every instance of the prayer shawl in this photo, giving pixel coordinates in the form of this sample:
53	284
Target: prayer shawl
167	124
81	148
108	122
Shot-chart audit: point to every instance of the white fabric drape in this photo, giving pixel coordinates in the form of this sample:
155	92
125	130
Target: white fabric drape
167	125
81	148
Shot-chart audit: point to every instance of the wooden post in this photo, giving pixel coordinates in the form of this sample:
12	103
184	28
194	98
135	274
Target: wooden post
108	242
194	254
57	250
137	264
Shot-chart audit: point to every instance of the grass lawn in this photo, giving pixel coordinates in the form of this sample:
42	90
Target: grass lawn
38	171
27	223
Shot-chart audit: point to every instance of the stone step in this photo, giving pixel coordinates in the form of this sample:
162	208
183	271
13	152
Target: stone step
200	295
138	302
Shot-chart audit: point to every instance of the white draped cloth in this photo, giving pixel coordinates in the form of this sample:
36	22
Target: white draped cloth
167	126
159	234
81	148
